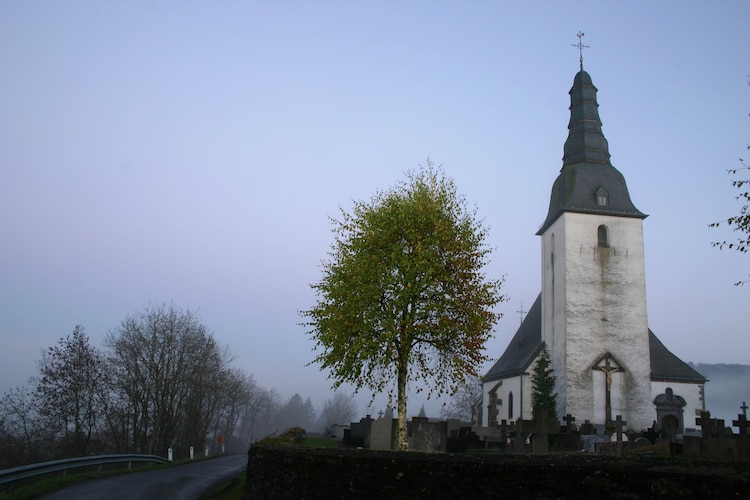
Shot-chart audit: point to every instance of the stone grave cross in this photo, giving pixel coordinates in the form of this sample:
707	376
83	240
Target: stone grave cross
569	419
741	421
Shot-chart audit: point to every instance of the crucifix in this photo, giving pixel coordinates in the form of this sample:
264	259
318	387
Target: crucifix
580	46
608	370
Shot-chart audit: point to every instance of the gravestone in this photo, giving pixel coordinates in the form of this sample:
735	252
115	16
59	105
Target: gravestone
521	442
651	433
358	434
742	443
569	425
428	436
454	426
541	428
382	431
587	428
717	441
619	423
569	438
464	439
540	439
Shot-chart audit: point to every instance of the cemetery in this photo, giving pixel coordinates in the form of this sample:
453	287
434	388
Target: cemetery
633	420
524	458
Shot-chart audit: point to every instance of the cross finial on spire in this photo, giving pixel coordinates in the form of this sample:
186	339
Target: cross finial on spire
521	312
580	46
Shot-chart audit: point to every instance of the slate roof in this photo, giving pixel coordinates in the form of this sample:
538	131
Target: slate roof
527	343
665	366
523	347
586	166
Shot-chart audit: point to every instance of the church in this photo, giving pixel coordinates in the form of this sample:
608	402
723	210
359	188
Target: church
591	313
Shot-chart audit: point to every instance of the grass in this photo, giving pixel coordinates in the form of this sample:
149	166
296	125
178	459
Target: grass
232	490
320	442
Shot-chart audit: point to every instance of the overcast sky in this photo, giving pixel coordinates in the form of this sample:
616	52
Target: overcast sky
192	152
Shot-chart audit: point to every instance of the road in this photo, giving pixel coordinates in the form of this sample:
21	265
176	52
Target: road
188	481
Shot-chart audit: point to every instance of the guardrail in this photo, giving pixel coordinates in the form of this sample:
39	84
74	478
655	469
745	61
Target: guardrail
27	471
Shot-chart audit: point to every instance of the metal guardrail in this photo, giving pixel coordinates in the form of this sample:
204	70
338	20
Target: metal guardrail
25	471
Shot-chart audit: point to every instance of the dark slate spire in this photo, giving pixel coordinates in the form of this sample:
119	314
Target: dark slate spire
588	183
585	143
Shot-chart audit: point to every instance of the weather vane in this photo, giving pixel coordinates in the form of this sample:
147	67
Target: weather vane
580	46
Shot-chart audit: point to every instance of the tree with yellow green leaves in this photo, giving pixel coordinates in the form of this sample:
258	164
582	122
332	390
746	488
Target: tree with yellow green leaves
403	297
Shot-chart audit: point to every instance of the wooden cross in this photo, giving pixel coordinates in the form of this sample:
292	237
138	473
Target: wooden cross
744	409
580	46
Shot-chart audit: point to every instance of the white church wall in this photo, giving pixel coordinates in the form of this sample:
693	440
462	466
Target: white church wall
519	387
594	302
553	304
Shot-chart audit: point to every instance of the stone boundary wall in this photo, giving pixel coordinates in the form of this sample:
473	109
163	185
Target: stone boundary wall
304	473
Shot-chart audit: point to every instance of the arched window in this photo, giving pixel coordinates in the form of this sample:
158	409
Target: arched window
603	236
510	406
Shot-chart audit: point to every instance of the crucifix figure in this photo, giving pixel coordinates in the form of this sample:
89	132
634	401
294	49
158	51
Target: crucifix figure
608	370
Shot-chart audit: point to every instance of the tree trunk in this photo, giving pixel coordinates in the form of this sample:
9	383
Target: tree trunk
403	439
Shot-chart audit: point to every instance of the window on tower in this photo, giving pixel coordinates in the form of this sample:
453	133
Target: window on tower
603	236
602	197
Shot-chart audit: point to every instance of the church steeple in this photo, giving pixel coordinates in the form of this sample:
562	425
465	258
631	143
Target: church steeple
586	142
588	183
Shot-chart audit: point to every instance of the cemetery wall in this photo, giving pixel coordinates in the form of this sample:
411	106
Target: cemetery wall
301	472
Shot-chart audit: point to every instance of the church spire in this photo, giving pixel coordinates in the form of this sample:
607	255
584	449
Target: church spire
588	183
586	142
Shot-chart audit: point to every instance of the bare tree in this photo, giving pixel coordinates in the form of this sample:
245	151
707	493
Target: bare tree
258	414
25	439
460	405
236	393
168	376
339	409
70	390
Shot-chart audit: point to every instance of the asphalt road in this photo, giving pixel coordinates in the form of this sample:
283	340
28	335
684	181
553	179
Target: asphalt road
183	482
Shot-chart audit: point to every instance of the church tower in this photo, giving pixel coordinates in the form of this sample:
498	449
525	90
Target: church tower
593	302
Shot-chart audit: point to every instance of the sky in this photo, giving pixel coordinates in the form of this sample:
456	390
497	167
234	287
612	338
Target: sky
192	153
